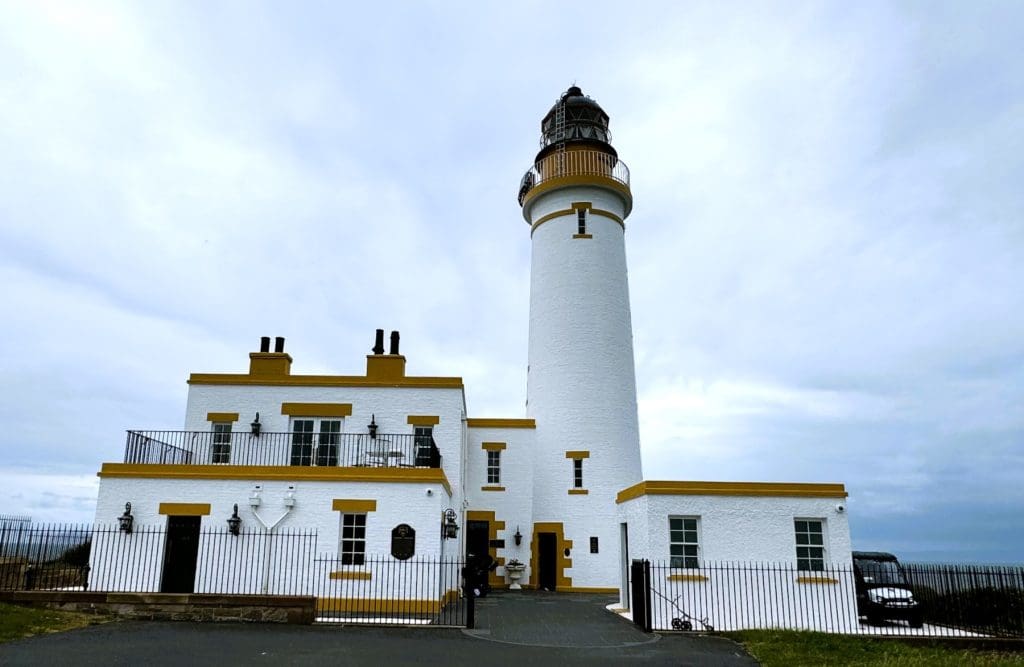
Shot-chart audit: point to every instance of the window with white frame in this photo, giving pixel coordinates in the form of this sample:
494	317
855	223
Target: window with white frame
684	544
353	539
494	466
221	443
324	433
810	544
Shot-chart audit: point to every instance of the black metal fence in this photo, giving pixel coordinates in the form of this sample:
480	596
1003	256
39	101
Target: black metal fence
931	600
403	450
380	590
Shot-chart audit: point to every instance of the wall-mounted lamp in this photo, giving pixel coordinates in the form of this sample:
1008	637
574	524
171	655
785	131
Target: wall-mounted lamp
234	522
518	537
372	426
449	528
256	426
254	497
126	520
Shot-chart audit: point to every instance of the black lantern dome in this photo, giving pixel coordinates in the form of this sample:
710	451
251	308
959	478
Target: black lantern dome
577	120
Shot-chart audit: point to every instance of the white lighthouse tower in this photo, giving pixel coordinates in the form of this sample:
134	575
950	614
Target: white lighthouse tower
581	385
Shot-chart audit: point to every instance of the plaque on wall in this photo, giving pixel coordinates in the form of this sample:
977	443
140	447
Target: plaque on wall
403	541
497	544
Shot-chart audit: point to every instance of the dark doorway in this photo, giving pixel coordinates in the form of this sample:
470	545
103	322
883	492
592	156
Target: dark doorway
478	538
547	557
180	554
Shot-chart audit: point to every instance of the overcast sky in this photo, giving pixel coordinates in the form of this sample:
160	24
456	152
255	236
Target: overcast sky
826	251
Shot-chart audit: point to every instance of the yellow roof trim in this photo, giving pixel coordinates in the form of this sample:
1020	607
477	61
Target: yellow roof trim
487	422
324	381
284	473
757	489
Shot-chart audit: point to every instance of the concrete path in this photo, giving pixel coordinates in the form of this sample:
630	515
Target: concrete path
531	629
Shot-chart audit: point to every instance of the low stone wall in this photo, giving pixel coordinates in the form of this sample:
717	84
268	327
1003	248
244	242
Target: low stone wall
175	607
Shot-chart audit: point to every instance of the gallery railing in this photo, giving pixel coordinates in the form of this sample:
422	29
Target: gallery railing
568	163
404	450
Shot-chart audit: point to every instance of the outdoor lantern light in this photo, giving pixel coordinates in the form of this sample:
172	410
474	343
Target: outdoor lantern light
518	537
234	522
126	520
256	426
372	426
449	529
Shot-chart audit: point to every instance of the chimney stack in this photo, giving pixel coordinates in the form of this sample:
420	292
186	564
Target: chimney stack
265	344
378	345
279	344
394	342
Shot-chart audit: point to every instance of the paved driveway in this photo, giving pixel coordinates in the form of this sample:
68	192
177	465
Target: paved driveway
513	629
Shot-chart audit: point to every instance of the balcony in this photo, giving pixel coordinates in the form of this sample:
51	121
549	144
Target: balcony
403	450
571	165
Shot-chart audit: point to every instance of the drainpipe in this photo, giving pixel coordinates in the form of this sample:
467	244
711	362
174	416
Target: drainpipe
289	503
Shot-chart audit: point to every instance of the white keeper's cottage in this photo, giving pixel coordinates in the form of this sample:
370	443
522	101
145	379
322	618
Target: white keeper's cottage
559	488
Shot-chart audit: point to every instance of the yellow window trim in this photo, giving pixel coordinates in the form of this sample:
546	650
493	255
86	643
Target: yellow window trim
353	505
185	509
492	488
687	577
816	580
423	420
752	489
577	454
221	417
578	492
488	422
583	236
347	574
277	473
316	409
493	446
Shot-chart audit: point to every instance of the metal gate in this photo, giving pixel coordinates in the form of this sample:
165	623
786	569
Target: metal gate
640	593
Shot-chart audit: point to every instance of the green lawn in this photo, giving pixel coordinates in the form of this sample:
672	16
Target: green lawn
790	649
17	622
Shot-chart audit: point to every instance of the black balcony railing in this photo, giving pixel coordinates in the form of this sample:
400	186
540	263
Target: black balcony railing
403	450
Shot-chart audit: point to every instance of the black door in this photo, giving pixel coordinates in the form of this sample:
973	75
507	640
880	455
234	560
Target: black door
180	554
547	557
478	535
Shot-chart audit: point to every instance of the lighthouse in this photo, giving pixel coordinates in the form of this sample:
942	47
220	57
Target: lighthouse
581	383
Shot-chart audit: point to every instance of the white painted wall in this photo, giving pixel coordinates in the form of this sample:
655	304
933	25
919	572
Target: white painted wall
581	386
514	505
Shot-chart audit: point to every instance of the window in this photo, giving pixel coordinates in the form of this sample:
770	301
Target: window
423	441
581	221
304	432
494	467
810	544
353	539
330	438
302	442
593	545
222	442
577	473
684	548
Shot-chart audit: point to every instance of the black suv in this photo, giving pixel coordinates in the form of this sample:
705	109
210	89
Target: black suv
883	592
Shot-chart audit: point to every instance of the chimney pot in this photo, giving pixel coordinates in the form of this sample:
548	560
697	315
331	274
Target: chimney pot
378	345
394	342
264	343
279	344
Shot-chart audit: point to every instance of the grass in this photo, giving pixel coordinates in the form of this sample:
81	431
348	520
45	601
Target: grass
19	622
791	649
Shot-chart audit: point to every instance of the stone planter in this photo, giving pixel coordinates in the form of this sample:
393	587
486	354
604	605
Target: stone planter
515	573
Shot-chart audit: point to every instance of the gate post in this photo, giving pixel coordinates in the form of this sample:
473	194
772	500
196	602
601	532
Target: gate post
640	593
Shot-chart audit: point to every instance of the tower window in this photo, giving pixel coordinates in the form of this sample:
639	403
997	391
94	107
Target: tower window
494	467
581	221
577	473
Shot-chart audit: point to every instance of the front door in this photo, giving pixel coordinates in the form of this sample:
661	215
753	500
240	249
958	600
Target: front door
547	558
180	553
478	536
